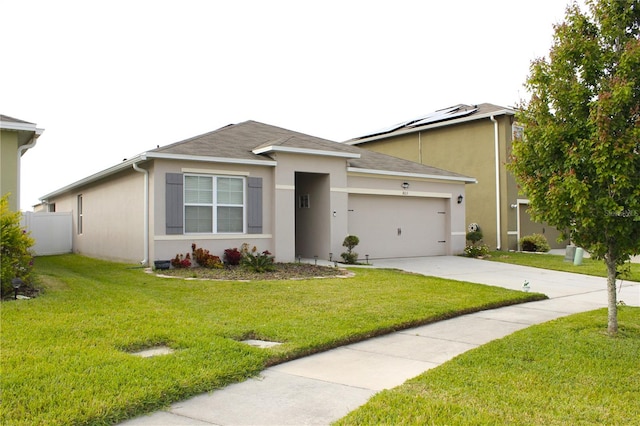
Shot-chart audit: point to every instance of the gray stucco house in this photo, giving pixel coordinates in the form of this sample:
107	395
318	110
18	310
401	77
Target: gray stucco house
280	190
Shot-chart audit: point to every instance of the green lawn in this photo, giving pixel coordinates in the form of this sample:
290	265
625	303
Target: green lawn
557	263
564	372
65	354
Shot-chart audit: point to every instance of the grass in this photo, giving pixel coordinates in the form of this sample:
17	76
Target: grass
65	355
550	261
567	371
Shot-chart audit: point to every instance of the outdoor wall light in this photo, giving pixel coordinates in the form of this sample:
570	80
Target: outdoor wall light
16	283
460	198
405	185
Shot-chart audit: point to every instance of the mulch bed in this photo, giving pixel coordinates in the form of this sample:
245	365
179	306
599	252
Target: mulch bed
284	271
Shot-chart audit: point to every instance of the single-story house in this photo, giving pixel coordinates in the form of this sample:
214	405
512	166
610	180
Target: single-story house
276	189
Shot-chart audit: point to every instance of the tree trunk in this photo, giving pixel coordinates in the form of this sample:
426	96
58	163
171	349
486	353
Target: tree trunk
612	315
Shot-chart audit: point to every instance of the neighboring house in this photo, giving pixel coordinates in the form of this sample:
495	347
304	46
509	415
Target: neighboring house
474	140
279	190
16	137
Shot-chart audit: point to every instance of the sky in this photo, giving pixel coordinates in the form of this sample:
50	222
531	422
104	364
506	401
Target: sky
111	79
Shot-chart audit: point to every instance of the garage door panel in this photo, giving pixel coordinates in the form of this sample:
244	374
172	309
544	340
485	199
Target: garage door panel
398	226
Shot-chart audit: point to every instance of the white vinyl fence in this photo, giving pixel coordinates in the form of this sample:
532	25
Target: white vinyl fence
51	231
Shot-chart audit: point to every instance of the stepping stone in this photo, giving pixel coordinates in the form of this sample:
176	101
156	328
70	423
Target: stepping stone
261	343
155	351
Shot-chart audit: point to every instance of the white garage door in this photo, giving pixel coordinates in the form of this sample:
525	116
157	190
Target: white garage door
391	227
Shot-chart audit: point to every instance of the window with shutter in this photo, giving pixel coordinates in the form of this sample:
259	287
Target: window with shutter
199	203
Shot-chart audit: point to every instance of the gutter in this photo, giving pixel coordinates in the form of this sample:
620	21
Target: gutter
21	150
145	261
497	156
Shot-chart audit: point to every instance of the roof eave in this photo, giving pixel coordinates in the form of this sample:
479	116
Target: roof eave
463	179
473	117
201	158
151	155
95	177
276	148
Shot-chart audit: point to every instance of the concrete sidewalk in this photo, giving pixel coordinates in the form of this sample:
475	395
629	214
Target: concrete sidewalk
322	388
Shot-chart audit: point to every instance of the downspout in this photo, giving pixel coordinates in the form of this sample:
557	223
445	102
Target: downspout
497	155
145	261
420	146
21	150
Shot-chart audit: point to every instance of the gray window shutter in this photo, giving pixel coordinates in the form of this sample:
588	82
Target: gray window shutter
254	205
174	204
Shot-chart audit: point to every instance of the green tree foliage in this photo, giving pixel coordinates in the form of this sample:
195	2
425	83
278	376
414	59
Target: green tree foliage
15	249
579	160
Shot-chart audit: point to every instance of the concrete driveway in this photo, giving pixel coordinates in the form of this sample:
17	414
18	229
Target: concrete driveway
322	388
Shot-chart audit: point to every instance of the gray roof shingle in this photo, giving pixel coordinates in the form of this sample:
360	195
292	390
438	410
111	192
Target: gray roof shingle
8	119
238	141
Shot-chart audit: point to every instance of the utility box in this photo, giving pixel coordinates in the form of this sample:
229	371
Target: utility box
570	254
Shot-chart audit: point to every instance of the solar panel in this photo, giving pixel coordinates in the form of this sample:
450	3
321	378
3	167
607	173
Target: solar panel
447	114
433	117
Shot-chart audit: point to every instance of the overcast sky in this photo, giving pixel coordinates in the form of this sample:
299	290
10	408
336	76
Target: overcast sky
110	79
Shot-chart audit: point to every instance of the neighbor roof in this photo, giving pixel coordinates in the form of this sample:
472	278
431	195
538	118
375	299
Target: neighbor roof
444	117
24	129
6	119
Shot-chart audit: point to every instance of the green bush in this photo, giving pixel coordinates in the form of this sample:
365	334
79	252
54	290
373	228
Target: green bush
474	236
256	262
350	241
534	242
473	249
16	257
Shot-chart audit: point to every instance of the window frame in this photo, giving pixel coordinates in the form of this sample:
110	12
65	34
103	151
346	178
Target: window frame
214	204
80	214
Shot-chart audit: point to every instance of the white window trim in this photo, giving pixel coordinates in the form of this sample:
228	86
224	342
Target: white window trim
214	204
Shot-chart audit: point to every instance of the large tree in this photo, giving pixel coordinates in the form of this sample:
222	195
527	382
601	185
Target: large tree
579	159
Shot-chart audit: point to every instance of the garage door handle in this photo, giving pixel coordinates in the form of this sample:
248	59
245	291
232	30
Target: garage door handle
443	241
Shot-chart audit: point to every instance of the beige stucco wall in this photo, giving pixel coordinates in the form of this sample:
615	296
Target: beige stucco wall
329	236
112	217
468	148
9	167
165	247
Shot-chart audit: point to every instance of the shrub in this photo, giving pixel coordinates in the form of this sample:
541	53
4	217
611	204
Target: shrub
16	258
206	259
181	261
474	236
476	251
534	242
232	256
350	241
256	262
